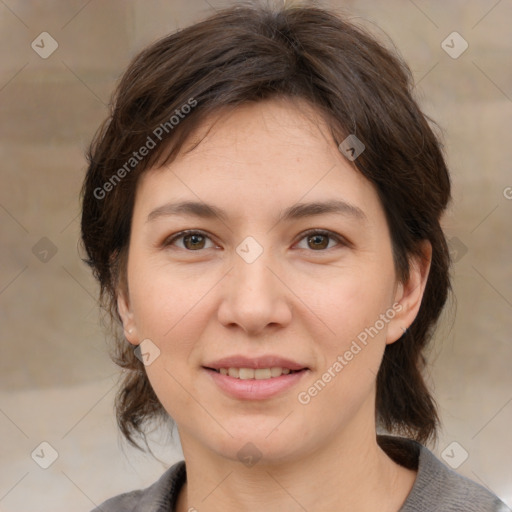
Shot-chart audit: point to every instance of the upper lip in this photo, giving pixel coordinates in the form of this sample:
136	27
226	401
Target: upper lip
267	361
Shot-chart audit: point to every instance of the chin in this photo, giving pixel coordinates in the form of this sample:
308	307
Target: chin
264	444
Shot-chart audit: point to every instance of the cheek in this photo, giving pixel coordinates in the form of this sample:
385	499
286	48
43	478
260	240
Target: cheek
169	311
351	355
163	301
354	301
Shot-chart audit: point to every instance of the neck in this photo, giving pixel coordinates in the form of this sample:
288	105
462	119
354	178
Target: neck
352	473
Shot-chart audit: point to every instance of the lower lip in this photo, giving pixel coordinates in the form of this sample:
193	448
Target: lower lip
255	389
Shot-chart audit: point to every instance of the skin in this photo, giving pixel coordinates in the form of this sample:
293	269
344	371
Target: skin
198	300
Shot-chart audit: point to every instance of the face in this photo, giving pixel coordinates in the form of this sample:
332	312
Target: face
288	267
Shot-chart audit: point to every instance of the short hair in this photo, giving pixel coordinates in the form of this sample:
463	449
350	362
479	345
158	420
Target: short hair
249	53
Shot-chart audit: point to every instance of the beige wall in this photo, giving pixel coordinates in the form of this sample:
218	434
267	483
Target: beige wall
55	377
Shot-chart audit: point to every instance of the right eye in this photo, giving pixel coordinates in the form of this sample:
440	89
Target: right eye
193	240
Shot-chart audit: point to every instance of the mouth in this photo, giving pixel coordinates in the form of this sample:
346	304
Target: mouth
255	373
259	377
249	384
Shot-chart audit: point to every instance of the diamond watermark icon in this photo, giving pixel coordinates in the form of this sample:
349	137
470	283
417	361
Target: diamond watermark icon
147	352
351	147
249	455
44	45
457	249
454	455
44	455
454	45
44	250
249	250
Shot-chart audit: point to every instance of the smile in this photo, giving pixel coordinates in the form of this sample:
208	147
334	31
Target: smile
255	383
257	374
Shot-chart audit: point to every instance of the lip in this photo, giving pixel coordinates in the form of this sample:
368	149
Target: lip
267	361
254	389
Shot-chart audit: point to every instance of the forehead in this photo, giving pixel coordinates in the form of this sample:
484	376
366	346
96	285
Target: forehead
259	129
272	153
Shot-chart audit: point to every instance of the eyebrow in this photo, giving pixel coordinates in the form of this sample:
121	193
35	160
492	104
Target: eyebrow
297	211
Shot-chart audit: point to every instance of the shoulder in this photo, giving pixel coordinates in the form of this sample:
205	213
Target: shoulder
439	488
159	497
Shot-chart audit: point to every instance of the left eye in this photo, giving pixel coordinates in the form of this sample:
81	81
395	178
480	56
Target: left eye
319	240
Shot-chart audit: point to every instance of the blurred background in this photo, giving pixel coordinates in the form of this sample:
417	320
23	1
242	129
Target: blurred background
59	63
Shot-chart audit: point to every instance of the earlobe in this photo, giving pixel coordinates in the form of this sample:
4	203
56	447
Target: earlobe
129	327
410	294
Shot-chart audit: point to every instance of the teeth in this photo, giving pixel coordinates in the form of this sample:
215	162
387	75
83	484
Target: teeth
276	371
245	373
262	373
251	373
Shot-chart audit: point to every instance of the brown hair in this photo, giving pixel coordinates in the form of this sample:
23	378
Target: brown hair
248	53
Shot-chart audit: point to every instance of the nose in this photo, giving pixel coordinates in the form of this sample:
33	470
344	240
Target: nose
255	297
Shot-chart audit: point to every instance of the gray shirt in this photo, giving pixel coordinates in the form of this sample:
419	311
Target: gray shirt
436	488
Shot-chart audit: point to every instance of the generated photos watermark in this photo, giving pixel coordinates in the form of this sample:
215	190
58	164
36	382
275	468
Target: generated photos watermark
151	142
305	397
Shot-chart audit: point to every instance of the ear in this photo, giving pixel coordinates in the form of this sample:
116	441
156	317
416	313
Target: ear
127	317
409	295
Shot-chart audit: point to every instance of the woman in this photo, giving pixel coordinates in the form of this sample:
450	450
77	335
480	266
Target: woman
262	210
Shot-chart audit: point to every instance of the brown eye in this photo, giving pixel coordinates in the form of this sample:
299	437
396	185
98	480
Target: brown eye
194	241
191	241
318	241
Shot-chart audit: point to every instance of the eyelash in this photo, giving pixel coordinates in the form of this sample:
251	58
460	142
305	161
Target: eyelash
341	241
